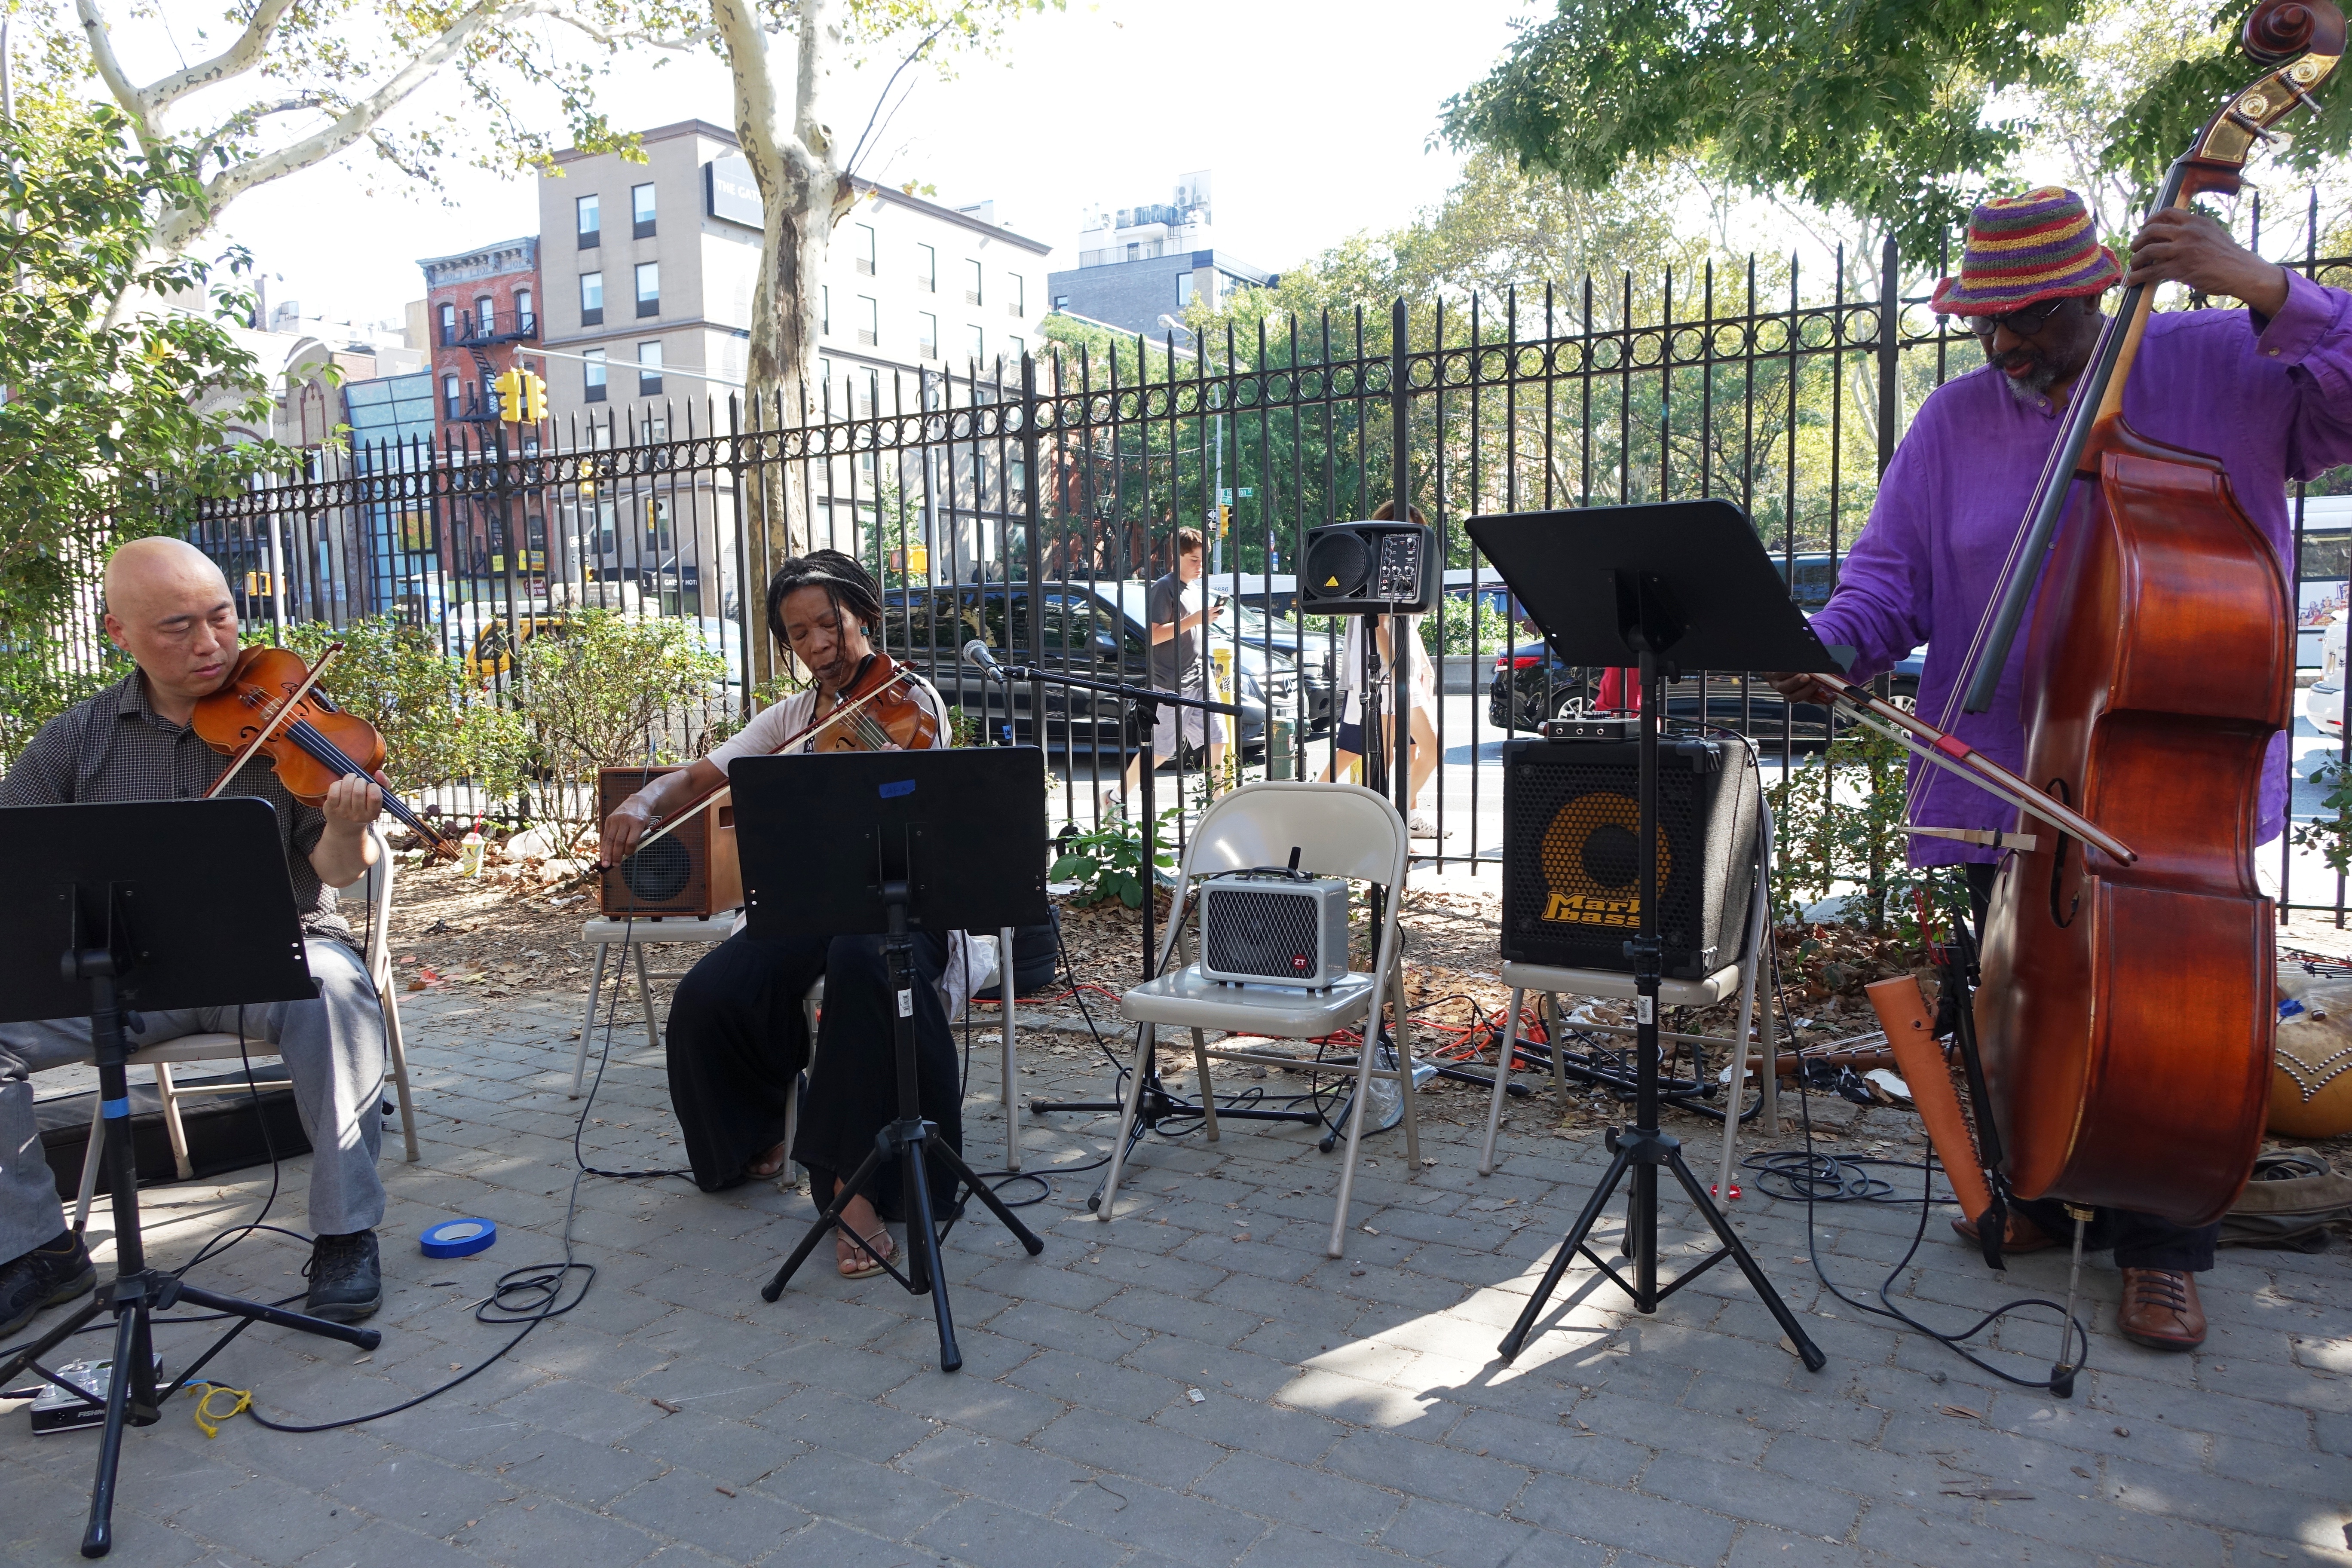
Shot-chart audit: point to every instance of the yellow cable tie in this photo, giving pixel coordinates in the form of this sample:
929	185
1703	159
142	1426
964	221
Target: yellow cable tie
209	1420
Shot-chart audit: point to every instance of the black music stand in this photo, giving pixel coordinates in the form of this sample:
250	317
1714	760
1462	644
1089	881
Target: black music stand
1678	584
117	909
855	843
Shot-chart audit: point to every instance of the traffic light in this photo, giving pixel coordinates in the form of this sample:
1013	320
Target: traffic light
534	397
508	390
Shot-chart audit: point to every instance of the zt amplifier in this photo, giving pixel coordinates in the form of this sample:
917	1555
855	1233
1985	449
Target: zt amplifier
1274	928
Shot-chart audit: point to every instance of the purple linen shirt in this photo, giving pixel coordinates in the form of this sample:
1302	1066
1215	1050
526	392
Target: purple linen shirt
2273	401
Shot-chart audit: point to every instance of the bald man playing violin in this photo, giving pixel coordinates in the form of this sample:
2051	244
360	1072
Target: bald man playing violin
169	608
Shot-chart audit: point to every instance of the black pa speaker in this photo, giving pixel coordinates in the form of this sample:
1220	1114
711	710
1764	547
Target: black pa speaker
1370	568
1571	868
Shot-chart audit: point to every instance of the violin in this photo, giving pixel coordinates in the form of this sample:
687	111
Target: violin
272	704
2127	1007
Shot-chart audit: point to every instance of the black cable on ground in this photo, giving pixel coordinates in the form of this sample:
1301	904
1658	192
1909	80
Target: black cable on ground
1822	1175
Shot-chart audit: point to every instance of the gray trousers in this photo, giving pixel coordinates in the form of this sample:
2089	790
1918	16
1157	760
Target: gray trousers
334	1052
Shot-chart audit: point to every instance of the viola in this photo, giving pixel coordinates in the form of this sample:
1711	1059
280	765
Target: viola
2128	1006
273	705
877	710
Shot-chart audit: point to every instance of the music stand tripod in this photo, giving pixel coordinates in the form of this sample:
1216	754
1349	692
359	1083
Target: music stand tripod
854	843
1155	1104
112	918
1686	584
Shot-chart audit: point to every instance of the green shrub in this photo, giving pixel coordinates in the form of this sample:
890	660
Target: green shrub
1108	862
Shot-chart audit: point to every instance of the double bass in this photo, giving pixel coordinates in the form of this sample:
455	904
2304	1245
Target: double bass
2127	1007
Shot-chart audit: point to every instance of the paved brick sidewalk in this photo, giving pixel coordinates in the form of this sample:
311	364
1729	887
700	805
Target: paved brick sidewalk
1193	1384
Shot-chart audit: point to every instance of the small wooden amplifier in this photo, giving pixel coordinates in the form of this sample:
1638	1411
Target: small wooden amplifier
691	870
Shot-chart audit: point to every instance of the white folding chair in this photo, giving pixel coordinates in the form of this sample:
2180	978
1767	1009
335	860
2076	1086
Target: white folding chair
1335	830
632	936
1743	976
374	891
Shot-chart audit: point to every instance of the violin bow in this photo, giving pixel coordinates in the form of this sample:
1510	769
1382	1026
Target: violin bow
271	723
846	711
1950	752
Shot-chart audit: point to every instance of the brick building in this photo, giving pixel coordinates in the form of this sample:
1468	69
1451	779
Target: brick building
482	308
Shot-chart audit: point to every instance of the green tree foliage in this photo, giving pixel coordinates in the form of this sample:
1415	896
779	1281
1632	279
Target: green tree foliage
1880	107
96	412
1903	111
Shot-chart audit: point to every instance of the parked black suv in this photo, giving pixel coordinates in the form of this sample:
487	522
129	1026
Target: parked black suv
1096	631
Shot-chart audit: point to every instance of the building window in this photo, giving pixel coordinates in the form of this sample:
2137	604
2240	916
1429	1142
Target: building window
641	212
979	345
450	405
649	370
824	384
448	323
648	288
486	313
525	319
593	376
1184	290
1061	302
1017	295
824	308
861	247
926	335
927	269
592	222
592	299
971	284
869	322
1016	346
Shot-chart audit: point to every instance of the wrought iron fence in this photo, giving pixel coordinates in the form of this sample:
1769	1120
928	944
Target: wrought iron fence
1031	506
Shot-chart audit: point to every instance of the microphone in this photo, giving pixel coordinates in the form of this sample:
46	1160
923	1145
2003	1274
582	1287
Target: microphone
976	654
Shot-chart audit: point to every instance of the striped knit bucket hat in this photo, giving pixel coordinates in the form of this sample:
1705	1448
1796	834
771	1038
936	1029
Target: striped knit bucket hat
2039	246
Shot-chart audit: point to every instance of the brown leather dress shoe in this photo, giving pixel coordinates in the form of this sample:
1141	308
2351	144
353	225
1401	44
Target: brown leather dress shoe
2019	1235
2160	1311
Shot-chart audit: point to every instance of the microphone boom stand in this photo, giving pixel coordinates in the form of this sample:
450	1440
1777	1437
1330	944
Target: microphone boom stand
1156	1104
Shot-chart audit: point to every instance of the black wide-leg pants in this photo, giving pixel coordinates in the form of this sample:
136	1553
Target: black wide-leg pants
2140	1241
738	1038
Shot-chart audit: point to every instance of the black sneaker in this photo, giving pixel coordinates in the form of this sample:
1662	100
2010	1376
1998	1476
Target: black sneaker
50	1276
346	1285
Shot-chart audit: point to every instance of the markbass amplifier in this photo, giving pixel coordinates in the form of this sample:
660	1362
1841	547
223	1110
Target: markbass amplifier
1274	928
1571	866
690	871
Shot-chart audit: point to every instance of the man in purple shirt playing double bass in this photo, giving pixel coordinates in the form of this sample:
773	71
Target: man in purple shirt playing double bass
2267	389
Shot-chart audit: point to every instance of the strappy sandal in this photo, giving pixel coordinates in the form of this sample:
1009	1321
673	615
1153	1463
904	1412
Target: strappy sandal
872	1257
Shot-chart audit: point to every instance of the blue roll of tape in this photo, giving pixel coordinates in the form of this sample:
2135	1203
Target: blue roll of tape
458	1237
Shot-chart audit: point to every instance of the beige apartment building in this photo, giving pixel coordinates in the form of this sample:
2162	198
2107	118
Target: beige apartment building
646	278
648	270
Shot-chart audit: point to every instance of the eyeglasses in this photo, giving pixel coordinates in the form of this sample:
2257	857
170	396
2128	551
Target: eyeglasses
2021	323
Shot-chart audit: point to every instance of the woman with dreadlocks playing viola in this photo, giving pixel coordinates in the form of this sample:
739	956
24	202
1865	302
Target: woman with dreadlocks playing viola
738	1038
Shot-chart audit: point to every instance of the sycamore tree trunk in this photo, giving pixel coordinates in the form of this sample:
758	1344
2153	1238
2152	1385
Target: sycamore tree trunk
803	191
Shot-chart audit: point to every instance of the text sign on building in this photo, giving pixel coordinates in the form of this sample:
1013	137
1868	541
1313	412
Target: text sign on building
729	192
